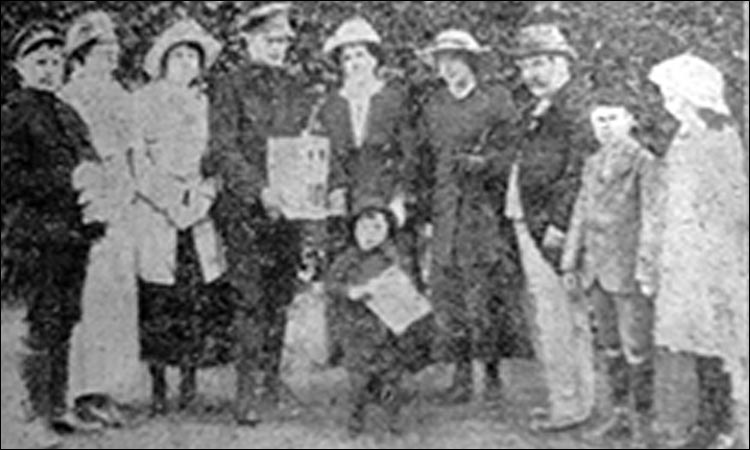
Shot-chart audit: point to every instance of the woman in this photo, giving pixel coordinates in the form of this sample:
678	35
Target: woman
185	318
104	358
702	296
472	278
369	124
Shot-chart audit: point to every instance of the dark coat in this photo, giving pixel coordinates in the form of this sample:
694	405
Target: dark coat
47	244
249	106
377	168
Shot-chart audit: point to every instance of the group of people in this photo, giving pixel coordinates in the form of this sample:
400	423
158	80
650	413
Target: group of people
142	227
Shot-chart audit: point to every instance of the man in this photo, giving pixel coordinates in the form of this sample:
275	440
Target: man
258	101
43	142
549	163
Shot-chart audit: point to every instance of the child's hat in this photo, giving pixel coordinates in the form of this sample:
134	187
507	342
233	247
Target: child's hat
34	35
374	203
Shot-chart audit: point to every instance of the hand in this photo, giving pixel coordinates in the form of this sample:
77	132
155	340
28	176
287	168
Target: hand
273	202
358	293
554	238
571	282
337	202
648	289
398	206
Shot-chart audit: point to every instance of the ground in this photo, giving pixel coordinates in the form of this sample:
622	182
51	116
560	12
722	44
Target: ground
320	425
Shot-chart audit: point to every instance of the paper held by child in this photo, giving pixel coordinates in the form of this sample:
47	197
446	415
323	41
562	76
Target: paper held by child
396	301
298	169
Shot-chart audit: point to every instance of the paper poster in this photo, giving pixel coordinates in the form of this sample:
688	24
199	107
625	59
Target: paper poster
396	301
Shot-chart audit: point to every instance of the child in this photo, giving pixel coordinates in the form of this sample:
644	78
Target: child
609	257
373	355
43	141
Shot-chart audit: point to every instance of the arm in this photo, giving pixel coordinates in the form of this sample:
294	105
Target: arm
652	197
576	232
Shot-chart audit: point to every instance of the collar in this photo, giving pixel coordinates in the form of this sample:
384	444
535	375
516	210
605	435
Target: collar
462	92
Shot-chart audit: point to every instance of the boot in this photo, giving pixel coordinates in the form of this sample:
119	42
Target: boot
714	407
461	391
619	426
158	390
188	387
393	398
643	390
362	388
246	408
493	381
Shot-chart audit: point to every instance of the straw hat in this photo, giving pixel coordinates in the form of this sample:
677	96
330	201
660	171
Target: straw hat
272	18
33	35
452	41
695	79
93	26
186	31
356	30
541	39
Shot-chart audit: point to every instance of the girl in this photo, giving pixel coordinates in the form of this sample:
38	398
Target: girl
184	312
703	290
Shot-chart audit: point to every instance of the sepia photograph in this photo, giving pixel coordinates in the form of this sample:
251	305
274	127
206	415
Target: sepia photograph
375	224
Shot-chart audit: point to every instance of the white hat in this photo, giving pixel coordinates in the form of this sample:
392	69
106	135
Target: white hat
274	17
93	26
452	41
356	30
186	31
694	79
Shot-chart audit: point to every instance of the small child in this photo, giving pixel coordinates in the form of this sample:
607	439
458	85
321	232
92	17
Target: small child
609	256
375	358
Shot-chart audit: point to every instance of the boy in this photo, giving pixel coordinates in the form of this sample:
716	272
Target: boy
43	141
375	357
609	256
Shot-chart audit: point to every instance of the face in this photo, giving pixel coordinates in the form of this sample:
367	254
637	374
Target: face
42	69
357	61
371	231
545	75
453	68
183	64
267	48
103	59
612	124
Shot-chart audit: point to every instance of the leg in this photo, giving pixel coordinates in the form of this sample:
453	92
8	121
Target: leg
360	385
188	385
618	373
158	388
248	339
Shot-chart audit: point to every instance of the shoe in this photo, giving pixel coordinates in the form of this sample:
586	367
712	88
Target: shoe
100	408
71	423
618	428
249	419
38	434
557	424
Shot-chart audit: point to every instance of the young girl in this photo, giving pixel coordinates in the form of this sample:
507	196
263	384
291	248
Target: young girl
185	317
373	355
701	307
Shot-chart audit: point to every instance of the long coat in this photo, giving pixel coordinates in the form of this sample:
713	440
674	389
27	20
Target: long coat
475	278
47	244
377	167
610	238
249	106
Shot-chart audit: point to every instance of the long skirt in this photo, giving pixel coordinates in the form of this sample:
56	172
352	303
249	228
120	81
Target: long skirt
188	324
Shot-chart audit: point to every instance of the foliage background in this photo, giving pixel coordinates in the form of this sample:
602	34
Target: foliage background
618	41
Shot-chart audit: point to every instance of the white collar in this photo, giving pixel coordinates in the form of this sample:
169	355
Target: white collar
461	91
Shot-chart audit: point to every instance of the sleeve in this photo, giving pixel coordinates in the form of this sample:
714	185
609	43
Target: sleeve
421	165
576	233
336	282
231	130
407	137
338	177
505	136
565	189
653	200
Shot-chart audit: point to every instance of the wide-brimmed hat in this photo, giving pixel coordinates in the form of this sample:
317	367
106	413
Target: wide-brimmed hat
35	34
695	79
272	18
356	30
541	39
452	41
93	26
186	31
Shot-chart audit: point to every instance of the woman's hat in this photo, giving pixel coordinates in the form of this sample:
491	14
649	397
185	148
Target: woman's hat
452	41
93	26
272	18
356	30
34	35
694	79
541	39
186	31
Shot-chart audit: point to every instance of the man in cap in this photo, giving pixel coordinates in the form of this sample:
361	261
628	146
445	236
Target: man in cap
549	151
43	141
257	102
